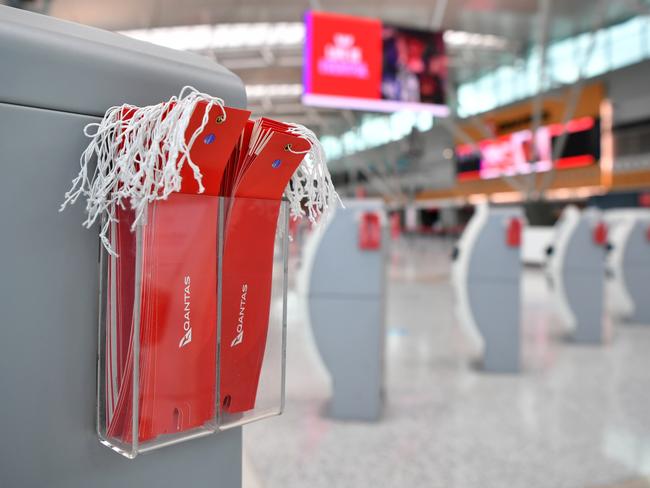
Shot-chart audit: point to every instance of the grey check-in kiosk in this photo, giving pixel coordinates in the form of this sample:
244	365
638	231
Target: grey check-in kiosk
628	264
343	276
486	276
56	77
576	271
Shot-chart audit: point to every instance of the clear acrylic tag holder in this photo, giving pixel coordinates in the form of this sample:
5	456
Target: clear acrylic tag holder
192	324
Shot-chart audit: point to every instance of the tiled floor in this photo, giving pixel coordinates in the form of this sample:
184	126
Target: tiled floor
576	417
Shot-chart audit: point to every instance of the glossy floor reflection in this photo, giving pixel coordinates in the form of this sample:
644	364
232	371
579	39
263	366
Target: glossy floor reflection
578	416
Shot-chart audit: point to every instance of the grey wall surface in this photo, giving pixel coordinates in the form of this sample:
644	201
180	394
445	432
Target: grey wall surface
628	91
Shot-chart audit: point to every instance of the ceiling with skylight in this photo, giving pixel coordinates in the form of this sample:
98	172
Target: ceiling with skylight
494	48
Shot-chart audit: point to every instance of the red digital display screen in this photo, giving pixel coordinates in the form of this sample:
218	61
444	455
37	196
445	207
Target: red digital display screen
344	55
360	63
513	154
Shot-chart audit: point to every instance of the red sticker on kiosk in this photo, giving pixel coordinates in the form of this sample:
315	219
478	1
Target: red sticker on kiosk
370	231
513	232
600	234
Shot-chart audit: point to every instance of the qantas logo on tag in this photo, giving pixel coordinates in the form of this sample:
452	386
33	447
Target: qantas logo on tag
187	325
239	338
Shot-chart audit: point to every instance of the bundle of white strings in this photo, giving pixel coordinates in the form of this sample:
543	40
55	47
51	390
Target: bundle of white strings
139	152
311	192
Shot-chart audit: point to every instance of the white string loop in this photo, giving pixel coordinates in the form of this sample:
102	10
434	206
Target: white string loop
311	181
139	154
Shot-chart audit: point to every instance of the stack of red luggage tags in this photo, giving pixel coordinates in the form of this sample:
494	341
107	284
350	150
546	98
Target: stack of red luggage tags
166	277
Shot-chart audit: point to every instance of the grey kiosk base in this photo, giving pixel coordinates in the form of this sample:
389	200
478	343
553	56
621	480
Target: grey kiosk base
62	77
345	293
577	274
486	278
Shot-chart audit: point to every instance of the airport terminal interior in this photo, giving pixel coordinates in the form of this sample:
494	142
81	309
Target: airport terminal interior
325	243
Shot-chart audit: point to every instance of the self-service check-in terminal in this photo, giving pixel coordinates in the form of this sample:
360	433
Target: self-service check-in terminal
628	264
486	278
344	278
576	271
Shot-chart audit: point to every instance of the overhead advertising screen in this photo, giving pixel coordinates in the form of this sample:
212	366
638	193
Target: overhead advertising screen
361	63
512	154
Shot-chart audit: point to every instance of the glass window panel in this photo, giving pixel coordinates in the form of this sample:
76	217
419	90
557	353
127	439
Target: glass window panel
645	32
562	66
532	73
598	62
486	99
468	99
424	121
505	84
626	43
332	147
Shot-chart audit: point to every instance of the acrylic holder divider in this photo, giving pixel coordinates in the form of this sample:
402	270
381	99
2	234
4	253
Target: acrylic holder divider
192	326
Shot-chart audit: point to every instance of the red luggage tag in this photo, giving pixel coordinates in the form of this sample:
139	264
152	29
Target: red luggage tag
248	266
182	351
119	310
213	147
162	409
120	424
177	323
234	168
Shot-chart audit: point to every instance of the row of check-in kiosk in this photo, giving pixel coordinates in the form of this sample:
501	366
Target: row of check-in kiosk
588	247
595	255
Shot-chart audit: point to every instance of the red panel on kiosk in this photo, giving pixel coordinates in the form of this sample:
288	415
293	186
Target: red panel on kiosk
513	233
370	231
395	226
644	199
600	234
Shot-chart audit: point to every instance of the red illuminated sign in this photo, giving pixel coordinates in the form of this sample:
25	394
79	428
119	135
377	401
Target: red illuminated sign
514	153
344	55
360	63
